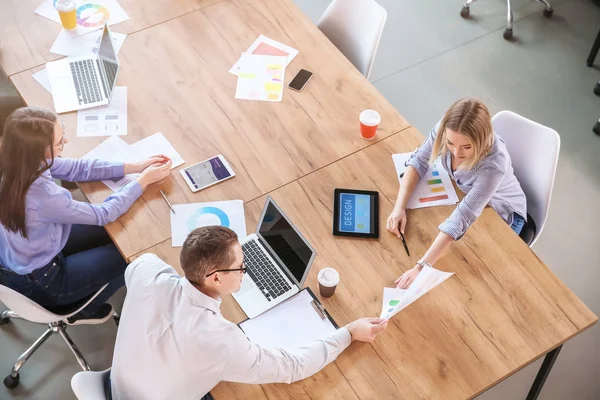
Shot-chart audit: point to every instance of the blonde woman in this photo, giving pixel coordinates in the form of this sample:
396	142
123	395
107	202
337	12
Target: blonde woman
477	160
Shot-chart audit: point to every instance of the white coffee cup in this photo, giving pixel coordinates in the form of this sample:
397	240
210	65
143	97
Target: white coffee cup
328	280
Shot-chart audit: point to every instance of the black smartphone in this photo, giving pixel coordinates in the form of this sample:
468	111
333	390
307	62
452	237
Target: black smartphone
300	80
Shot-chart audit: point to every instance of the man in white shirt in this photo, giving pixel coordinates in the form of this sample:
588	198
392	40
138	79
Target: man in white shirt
173	342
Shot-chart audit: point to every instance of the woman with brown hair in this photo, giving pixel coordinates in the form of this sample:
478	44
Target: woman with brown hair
477	160
53	249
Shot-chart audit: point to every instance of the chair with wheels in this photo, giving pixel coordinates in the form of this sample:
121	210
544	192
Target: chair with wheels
534	150
55	317
508	32
355	28
89	385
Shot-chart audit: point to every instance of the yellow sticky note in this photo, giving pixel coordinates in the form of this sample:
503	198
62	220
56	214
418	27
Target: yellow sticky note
247	75
273	96
273	87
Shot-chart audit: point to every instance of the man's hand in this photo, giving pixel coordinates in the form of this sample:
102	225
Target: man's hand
366	329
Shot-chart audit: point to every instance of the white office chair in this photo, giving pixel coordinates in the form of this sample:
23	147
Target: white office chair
508	32
534	150
355	28
24	308
89	385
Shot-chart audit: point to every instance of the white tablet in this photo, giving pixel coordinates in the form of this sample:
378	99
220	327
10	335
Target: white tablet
207	173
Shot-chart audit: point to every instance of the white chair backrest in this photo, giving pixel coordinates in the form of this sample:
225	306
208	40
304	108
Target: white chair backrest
33	312
89	385
534	150
355	28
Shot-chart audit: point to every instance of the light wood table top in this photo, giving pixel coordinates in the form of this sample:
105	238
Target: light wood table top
178	83
26	38
501	310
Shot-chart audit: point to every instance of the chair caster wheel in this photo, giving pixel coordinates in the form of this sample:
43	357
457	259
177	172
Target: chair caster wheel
11	382
4	321
597	128
596	92
464	12
508	34
548	12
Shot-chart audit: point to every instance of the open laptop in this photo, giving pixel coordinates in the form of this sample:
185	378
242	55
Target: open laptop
87	81
278	259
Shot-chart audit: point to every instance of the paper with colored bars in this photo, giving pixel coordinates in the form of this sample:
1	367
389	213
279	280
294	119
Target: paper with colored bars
396	300
267	47
260	77
433	189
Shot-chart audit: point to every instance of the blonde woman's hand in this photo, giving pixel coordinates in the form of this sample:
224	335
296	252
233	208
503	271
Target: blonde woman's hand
396	222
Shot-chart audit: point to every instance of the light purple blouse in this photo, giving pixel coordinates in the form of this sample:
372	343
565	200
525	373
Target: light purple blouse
50	210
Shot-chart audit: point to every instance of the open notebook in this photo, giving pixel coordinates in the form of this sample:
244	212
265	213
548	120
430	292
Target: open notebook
291	324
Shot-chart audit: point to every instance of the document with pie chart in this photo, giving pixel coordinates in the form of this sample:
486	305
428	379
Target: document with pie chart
188	217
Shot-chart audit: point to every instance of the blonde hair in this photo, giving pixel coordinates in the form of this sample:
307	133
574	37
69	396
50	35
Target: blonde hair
471	118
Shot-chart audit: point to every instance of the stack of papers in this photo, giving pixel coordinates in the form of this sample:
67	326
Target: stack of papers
188	217
396	300
91	14
69	43
434	189
116	149
261	70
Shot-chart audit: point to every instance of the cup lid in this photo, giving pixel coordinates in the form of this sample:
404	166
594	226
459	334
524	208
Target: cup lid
328	277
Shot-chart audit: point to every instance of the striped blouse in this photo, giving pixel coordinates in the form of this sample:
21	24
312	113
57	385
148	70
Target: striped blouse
490	182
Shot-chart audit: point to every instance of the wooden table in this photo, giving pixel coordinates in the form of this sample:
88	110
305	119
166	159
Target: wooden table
178	83
501	310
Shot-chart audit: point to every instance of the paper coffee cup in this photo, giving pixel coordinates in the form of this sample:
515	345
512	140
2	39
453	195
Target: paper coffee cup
369	121
67	11
328	280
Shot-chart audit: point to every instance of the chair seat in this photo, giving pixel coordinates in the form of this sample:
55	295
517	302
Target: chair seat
528	231
68	309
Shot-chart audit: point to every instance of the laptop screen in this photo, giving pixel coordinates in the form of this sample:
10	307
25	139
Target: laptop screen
108	61
286	242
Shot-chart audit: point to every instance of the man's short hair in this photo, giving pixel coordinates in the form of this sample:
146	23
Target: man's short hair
207	249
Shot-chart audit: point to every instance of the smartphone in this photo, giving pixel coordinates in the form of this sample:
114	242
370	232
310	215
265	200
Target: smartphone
207	173
300	80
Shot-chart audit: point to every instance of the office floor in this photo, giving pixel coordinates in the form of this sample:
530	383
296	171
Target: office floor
429	57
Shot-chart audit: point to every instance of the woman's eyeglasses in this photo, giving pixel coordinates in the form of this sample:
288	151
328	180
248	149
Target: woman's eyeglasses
61	144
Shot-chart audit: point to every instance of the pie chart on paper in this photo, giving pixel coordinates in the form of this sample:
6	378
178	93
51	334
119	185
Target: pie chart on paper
92	15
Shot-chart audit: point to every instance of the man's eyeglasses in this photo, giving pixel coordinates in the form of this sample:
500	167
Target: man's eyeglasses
243	269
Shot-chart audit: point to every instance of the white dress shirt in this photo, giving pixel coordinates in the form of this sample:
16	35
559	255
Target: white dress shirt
173	342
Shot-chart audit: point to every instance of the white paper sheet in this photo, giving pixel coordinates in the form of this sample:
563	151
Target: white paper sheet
114	149
42	78
395	300
157	144
107	120
267	47
434	189
91	14
260	78
188	217
289	325
69	43
117	150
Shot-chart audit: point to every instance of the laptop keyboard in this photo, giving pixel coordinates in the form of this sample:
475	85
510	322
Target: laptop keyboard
86	82
262	271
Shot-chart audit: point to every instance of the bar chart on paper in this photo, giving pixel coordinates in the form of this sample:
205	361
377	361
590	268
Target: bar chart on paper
434	189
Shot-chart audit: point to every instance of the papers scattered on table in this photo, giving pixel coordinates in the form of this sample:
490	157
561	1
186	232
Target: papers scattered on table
433	189
91	14
42	78
107	120
117	150
267	47
188	217
70	43
395	300
260	77
291	325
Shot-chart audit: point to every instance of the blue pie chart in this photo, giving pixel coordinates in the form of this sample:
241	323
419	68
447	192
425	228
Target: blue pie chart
220	214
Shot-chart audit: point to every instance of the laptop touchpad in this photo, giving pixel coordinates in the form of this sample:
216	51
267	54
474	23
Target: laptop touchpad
246	286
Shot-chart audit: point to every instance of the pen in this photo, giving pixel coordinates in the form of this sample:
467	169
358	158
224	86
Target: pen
404	243
172	209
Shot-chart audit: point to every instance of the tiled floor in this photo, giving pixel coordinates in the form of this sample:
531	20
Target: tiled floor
429	57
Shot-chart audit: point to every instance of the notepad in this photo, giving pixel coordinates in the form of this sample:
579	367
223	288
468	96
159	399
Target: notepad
289	325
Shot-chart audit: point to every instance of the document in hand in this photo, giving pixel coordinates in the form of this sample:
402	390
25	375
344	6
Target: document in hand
434	189
395	300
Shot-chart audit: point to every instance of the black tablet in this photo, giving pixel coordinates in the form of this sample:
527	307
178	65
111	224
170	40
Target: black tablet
356	213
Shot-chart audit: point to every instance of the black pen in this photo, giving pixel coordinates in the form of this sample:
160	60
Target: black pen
404	243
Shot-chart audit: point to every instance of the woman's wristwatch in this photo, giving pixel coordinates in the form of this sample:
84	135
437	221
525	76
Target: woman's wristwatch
422	263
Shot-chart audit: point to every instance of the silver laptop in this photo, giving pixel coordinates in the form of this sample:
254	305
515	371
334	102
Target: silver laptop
278	259
84	82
